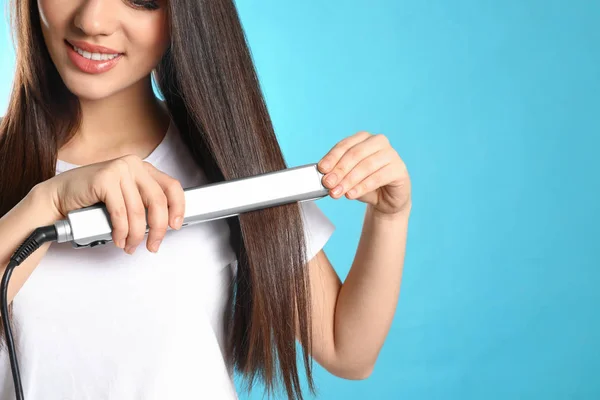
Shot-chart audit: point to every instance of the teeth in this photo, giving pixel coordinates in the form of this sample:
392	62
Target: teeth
94	56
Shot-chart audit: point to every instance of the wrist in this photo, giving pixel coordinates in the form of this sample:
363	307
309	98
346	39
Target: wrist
401	215
41	204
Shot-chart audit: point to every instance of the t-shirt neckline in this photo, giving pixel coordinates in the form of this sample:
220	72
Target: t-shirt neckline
156	155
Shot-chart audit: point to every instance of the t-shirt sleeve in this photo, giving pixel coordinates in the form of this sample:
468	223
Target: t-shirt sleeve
317	227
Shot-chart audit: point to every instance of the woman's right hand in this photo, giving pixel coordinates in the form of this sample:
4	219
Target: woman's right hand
126	185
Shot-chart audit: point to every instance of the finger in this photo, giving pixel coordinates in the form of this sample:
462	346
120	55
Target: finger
352	157
158	213
333	156
174	192
117	209
136	213
379	178
362	170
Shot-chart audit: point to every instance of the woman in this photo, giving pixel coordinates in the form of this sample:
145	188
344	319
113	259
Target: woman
83	126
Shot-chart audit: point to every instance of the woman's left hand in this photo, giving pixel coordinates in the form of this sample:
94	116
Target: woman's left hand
367	168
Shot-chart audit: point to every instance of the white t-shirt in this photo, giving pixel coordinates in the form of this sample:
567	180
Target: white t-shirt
97	323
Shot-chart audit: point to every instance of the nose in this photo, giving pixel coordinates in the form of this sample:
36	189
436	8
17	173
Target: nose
96	17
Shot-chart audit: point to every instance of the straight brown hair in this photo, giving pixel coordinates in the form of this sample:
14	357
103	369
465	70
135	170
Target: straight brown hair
209	83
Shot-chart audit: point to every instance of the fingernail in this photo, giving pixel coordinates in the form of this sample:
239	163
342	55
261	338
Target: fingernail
331	179
154	246
325	165
121	243
337	190
130	250
178	222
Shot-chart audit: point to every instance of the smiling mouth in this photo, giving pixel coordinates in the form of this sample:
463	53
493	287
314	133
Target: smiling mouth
94	56
92	62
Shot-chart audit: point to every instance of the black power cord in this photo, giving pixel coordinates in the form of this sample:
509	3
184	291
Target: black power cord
40	236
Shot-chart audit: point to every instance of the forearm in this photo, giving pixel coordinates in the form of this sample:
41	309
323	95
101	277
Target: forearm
367	300
29	214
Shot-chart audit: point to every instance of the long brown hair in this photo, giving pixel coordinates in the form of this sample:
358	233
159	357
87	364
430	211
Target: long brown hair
210	86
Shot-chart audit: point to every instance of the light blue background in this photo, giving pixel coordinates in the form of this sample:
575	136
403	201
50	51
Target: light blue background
494	107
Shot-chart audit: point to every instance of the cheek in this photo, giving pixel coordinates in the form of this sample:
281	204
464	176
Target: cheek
149	40
53	14
54	23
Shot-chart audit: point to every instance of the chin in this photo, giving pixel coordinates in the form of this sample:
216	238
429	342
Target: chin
86	89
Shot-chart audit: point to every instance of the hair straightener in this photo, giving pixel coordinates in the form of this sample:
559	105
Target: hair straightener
91	226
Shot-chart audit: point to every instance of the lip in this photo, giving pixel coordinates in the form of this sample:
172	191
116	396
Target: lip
92	48
92	66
